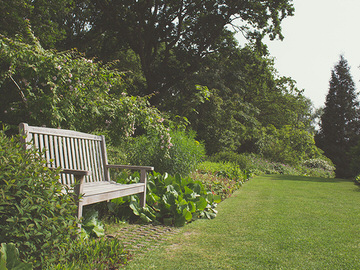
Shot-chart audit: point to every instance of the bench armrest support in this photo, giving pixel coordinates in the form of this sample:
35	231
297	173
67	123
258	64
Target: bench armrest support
142	169
78	188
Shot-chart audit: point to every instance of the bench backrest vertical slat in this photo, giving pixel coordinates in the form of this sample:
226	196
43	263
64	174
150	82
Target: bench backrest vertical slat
93	163
94	160
69	150
104	158
100	160
66	152
82	153
87	158
77	153
47	149
52	151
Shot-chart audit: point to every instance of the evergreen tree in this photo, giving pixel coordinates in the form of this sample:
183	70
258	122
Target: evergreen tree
339	127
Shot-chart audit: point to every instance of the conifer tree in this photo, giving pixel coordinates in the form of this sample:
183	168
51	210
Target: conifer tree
339	126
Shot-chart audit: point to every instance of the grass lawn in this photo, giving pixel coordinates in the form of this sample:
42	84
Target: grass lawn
272	222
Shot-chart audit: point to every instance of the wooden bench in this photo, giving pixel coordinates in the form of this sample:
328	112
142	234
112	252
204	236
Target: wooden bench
83	160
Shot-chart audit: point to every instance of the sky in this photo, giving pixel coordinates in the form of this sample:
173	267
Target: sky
315	37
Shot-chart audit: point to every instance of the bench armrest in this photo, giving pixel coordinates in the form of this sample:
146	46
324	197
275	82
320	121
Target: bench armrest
79	177
142	170
75	172
130	167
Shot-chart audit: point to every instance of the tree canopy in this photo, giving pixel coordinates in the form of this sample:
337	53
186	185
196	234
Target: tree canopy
171	38
181	55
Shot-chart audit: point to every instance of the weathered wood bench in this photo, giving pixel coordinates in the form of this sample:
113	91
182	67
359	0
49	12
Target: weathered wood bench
83	160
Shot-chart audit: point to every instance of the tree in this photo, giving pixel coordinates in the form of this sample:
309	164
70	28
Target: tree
171	38
49	19
339	127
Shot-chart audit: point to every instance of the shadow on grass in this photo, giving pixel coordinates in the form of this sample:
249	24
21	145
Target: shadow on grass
277	177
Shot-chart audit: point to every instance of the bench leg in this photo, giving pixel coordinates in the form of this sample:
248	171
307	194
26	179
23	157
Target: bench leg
79	212
143	199
143	195
77	192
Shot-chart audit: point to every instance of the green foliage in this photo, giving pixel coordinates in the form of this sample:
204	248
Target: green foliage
173	200
357	179
354	154
35	214
178	42
102	253
320	164
9	258
218	183
290	145
246	96
182	155
91	225
339	127
241	160
226	169
43	87
50	19
258	165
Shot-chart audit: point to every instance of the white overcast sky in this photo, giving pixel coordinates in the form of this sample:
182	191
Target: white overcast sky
315	36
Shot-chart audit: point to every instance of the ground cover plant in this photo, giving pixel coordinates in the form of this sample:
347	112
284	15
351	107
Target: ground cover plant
102	253
272	222
171	200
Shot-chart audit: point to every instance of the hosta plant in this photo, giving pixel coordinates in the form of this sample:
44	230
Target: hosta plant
174	200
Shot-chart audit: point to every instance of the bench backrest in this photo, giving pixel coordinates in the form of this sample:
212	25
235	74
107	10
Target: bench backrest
69	150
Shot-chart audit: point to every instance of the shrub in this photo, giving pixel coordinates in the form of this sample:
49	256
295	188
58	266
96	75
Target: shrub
290	145
357	180
225	169
239	159
257	165
35	214
183	154
218	185
319	164
64	89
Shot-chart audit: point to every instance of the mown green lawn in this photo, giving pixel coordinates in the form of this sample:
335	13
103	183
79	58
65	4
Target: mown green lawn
272	222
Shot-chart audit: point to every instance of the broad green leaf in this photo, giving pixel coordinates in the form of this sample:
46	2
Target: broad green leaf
187	214
201	204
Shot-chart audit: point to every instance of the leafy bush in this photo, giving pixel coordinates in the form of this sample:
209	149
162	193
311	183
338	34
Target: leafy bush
64	89
35	214
320	164
218	185
257	165
239	159
172	200
357	180
183	154
221	178
225	169
287	145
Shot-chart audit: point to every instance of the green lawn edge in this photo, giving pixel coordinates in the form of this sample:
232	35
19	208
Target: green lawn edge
272	222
